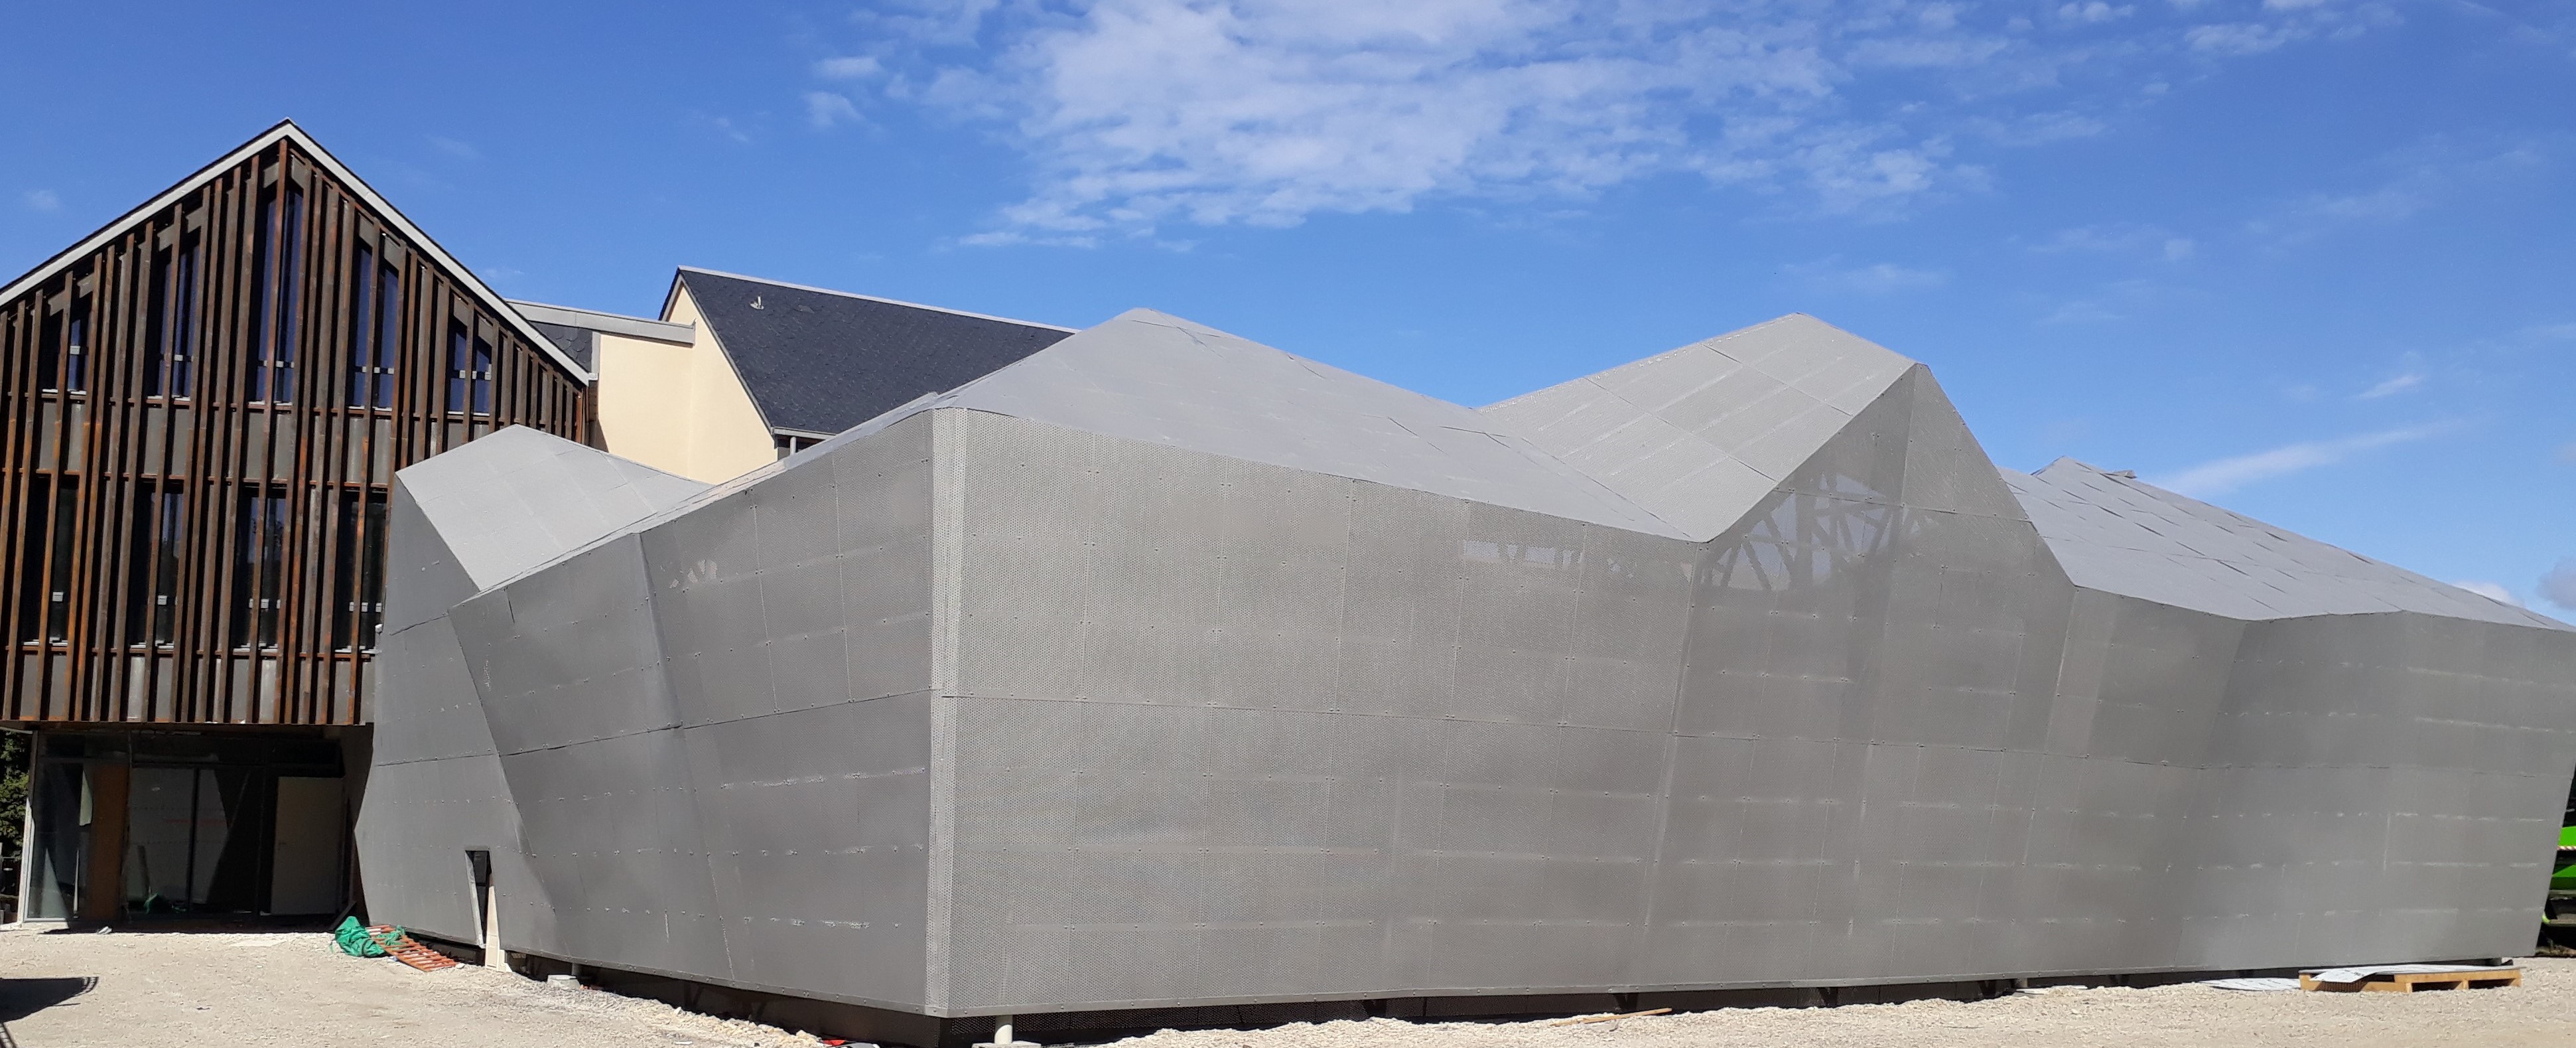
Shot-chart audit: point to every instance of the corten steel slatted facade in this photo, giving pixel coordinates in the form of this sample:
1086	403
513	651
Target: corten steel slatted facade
205	406
1163	669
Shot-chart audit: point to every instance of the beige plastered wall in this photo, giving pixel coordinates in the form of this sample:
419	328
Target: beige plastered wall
679	409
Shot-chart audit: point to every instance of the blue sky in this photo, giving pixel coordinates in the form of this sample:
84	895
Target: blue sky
2314	260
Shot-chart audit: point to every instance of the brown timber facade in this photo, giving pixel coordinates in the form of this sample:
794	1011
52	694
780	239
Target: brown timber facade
205	405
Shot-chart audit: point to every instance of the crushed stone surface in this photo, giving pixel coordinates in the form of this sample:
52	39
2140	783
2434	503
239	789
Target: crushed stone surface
293	990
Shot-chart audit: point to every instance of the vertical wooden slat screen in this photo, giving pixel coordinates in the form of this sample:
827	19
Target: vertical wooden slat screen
117	462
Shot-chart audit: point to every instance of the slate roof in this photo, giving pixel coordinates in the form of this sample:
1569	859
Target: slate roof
576	342
2114	534
823	361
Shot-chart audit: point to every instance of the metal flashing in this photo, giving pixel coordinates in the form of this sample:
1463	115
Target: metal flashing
612	323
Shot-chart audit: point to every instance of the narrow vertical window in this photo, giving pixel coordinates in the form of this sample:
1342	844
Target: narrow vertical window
460	357
33	542
152	564
76	347
58	579
165	566
482	376
156	323
182	347
290	293
371	575
358	581
344	574
362	328
49	352
263	295
388	331
259	562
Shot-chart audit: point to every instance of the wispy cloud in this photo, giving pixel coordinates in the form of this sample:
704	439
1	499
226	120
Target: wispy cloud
848	67
2228	474
2420	178
2559	585
825	109
1876	278
1139	113
2113	301
2392	387
2122	238
41	200
2490	591
461	150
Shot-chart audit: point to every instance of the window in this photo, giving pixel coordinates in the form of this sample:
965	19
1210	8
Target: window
358	601
277	303
259	566
76	347
469	370
62	348
459	355
362	328
170	321
388	330
44	596
152	564
375	329
482	376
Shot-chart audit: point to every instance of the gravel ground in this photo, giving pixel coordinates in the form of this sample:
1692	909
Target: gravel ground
295	991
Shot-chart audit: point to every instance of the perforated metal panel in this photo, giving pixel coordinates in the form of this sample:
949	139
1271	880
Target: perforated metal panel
1165	669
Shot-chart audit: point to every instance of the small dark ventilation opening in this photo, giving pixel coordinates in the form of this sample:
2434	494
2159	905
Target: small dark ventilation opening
481	863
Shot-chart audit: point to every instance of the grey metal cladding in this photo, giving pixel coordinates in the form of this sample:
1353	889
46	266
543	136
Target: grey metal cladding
1156	378
1162	668
1700	434
518	498
2117	534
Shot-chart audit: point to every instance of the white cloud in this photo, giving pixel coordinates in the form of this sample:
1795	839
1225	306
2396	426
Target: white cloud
2228	474
1875	279
461	150
2240	38
2094	11
1136	113
2392	387
853	67
825	109
2424	175
2491	591
2559	585
41	200
2125	238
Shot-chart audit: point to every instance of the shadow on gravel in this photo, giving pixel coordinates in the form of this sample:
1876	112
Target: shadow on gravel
20	998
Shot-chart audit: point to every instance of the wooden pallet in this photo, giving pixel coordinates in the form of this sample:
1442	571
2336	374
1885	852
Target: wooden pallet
2416	982
408	950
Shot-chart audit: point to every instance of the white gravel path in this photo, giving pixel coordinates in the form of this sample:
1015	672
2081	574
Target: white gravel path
295	991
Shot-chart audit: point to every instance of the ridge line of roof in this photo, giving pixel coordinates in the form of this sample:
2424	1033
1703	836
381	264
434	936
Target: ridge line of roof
358	187
876	298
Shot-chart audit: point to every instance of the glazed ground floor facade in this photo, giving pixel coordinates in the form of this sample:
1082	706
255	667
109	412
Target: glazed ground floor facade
138	825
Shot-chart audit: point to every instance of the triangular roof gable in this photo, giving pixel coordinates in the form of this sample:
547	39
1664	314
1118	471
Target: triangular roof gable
331	165
819	361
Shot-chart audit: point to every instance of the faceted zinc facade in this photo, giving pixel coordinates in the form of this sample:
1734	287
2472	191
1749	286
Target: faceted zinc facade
1165	668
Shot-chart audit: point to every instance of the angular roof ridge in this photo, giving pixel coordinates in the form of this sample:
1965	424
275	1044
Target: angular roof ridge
287	130
876	298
